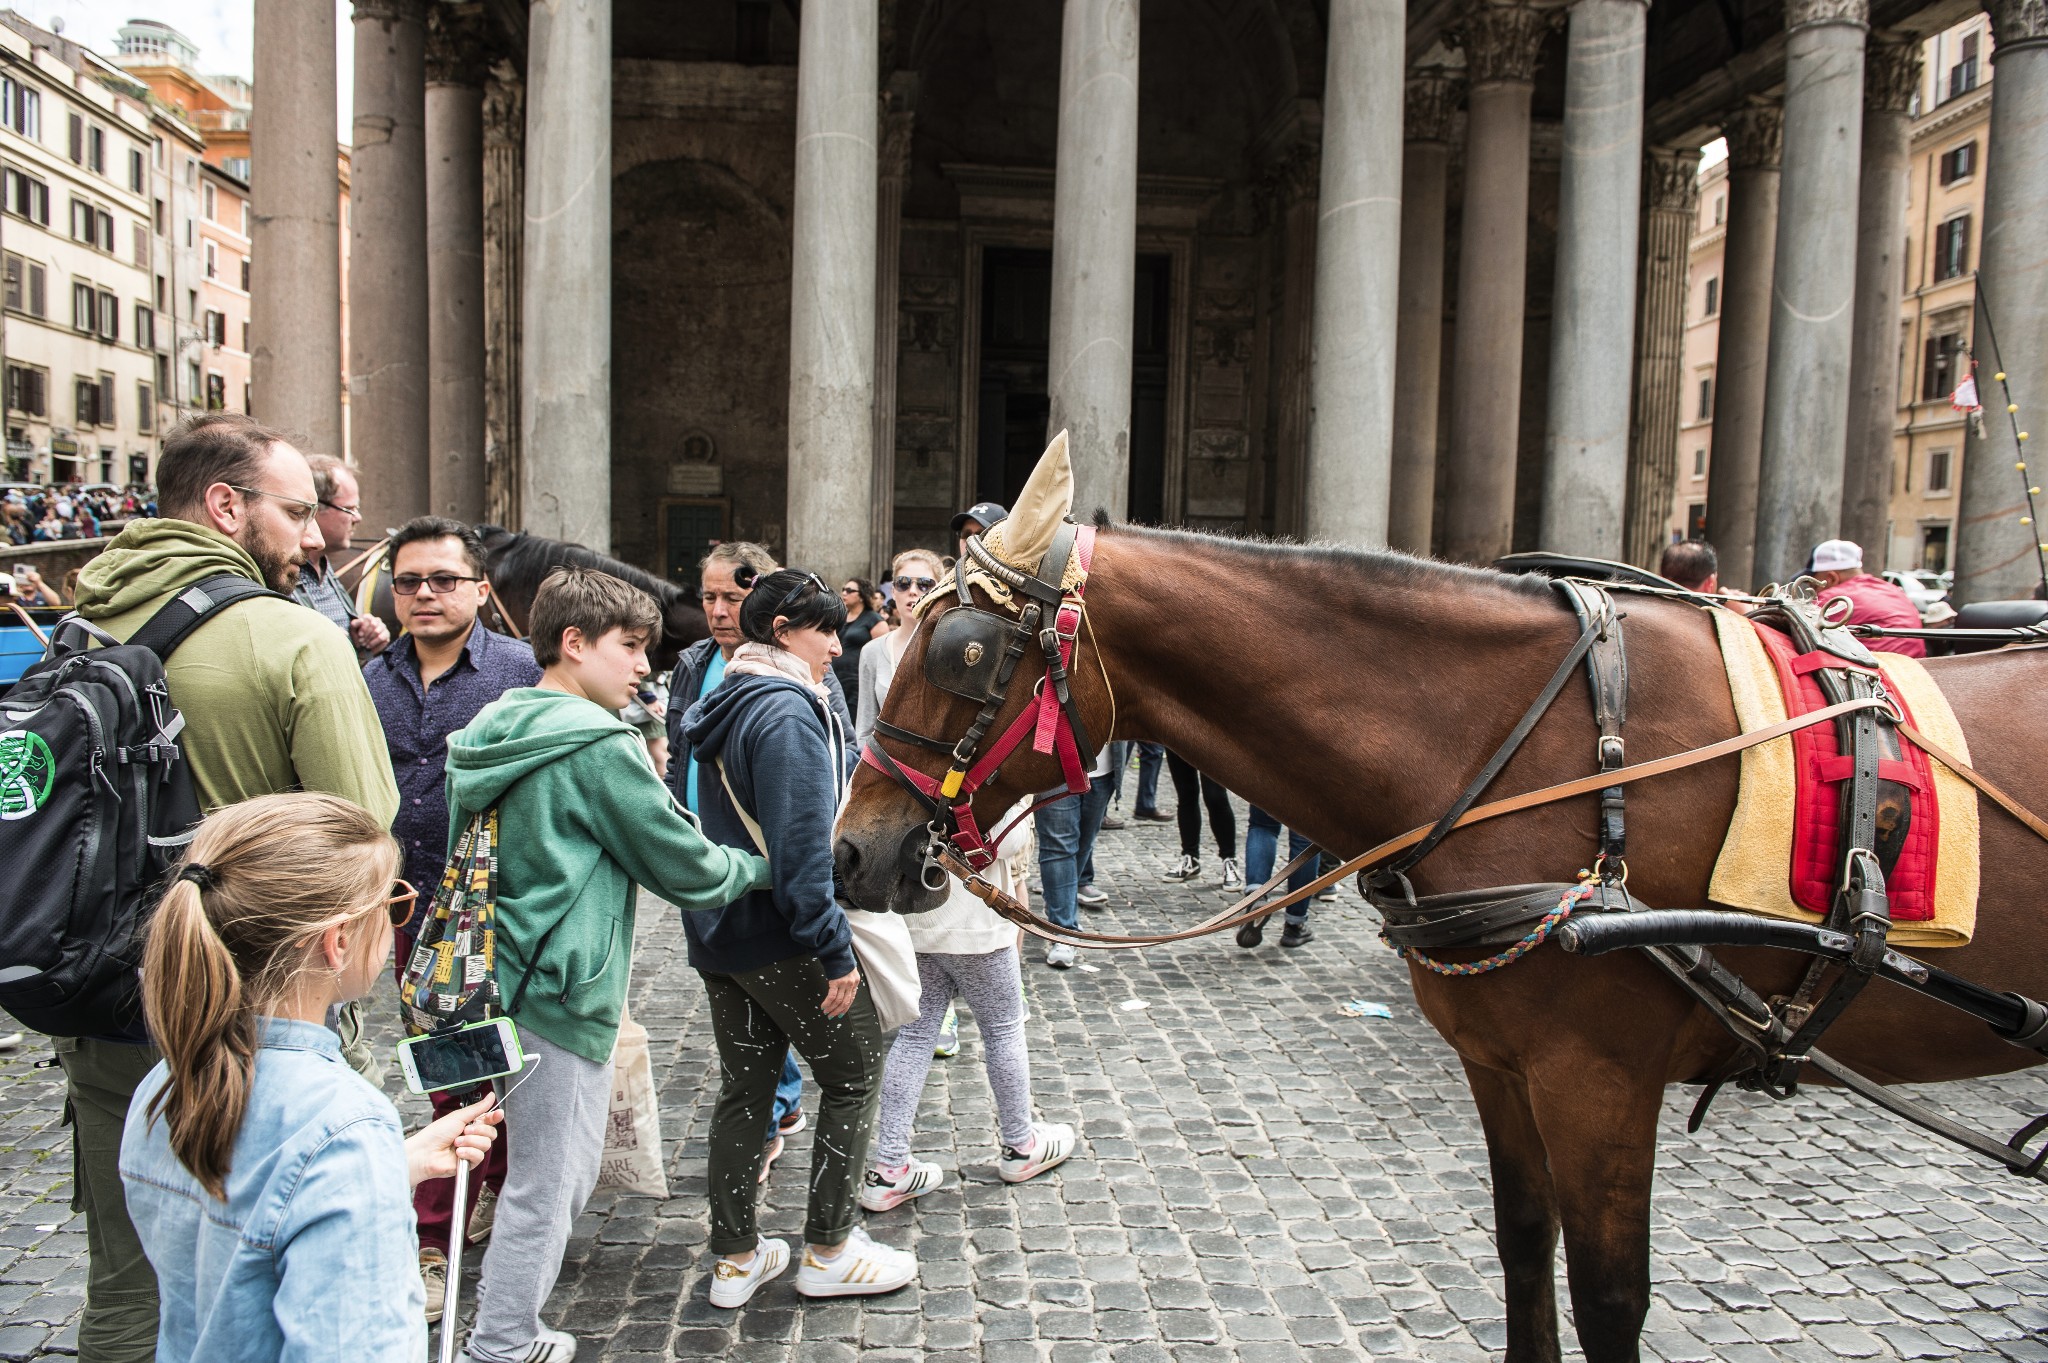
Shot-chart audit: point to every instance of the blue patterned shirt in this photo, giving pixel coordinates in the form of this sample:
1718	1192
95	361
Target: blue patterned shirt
417	721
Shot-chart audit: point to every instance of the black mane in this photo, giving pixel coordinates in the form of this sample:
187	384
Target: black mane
524	559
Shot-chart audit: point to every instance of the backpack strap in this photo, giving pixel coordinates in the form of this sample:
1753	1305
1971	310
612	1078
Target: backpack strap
185	612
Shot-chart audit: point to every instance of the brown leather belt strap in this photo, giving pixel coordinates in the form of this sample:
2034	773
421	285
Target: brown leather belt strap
1249	907
1975	778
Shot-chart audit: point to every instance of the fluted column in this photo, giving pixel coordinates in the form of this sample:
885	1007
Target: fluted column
1748	253
295	227
894	169
1433	95
387	276
1094	248
1358	264
1806	394
1996	555
1294	181
565	352
1501	43
1585	439
1671	175
455	267
504	243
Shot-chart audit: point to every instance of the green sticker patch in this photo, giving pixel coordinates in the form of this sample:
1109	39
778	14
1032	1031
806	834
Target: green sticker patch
27	770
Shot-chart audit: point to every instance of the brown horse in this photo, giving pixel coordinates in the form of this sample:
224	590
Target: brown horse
1361	693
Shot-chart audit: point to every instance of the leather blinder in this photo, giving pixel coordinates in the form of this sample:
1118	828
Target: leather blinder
966	652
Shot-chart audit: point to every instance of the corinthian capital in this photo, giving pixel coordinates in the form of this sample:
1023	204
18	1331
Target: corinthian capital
1671	178
2017	23
1501	41
1756	136
1891	72
1801	13
1433	95
388	12
456	49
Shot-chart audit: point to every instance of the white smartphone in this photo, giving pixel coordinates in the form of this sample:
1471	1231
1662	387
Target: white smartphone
461	1058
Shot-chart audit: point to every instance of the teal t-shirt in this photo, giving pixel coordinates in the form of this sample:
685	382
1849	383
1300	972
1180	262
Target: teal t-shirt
713	675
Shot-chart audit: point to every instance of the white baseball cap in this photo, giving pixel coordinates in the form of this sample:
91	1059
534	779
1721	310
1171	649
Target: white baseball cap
1832	556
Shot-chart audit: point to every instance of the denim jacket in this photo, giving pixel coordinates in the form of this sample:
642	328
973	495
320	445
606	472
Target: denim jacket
312	1256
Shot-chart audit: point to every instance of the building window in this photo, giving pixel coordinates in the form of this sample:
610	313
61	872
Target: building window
145	326
162	221
85	308
1934	548
212	260
1713	297
245	337
1706	408
1938	462
76	141
216	393
1699	464
1952	248
142	244
108	416
1962	77
110	317
96	150
245	209
1959	163
28	197
1942	369
135	170
105	235
28	390
209	202
192	379
237	166
245	274
24	286
21	108
145	407
1720	209
192	172
81	221
86	394
216	327
162	294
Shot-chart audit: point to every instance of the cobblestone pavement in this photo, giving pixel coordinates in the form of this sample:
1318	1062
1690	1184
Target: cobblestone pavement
1261	1178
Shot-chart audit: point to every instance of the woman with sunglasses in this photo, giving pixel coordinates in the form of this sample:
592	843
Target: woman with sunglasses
856	633
914	572
261	1172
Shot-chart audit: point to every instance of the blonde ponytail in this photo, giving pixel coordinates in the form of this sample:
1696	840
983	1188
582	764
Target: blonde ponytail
277	873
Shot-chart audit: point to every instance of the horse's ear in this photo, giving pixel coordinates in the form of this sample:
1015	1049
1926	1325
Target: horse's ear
1047	499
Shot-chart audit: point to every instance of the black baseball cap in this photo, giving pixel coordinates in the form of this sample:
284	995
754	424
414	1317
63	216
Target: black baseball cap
985	514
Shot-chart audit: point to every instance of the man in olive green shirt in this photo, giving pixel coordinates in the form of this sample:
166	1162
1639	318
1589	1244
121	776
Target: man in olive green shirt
273	701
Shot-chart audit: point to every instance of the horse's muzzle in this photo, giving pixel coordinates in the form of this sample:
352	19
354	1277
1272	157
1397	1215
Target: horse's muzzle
907	881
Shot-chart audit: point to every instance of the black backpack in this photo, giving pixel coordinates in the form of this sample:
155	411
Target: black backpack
96	804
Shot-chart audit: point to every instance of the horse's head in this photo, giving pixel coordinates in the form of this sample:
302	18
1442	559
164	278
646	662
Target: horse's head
959	703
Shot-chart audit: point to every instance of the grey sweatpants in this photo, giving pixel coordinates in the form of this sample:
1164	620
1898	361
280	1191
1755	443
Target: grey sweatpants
993	990
560	1110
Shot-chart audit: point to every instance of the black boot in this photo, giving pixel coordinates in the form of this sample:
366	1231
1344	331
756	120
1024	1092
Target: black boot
1296	934
1252	933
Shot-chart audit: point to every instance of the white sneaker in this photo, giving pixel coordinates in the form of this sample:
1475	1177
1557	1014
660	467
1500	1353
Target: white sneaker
862	1268
1051	1144
1233	875
11	1041
1187	868
880	1193
1090	897
553	1346
733	1284
1060	955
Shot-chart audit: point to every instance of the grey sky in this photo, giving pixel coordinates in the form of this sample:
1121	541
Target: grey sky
222	29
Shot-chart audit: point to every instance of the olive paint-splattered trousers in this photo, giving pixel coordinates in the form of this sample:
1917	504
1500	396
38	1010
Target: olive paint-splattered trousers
756	1018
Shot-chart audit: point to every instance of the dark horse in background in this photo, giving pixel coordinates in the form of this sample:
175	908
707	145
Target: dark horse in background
1365	691
517	563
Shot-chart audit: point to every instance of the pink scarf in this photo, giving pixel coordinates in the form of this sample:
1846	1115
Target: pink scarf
766	660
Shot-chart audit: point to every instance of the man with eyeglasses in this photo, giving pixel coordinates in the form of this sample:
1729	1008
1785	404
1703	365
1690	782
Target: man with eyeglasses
320	586
273	701
439	676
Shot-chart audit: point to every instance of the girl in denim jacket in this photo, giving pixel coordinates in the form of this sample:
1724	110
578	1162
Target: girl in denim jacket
269	1183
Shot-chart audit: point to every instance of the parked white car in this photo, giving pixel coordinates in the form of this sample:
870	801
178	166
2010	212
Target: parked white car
1922	588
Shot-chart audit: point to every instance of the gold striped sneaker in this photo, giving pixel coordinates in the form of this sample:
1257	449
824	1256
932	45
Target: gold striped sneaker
862	1268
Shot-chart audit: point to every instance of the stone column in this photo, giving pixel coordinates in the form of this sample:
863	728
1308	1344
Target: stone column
387	274
894	167
1501	43
1433	96
295	228
1672	177
1741	362
1292	182
455	267
565	352
832	289
504	240
1806	394
1094	249
1995	554
1585	467
1358	271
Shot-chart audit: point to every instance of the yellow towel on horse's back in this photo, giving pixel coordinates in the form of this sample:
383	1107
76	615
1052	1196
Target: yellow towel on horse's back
1753	871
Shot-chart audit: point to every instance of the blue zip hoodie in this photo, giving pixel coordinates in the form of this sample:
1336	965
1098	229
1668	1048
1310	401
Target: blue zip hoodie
784	753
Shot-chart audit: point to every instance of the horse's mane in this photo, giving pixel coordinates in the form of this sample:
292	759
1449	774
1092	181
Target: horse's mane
523	558
1388	567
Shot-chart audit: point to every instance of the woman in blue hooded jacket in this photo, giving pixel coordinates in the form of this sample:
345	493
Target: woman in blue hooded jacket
778	964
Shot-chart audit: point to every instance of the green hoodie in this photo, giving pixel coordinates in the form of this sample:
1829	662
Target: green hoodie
271	693
582	818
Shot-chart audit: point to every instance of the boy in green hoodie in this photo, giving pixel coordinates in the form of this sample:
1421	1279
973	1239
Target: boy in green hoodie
582	819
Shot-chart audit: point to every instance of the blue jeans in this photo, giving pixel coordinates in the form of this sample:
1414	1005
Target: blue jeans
789	1093
1261	842
1066	848
1151	757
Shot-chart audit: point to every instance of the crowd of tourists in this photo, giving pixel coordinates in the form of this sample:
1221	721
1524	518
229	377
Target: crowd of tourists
242	1159
39	515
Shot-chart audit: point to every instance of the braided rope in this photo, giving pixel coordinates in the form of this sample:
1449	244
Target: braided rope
1573	897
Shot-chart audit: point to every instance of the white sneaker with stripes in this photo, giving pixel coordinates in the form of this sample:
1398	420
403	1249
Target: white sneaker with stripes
1051	1143
735	1284
862	1268
881	1193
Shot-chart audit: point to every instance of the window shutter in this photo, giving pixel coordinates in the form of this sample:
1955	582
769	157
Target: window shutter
35	290
77	138
107	417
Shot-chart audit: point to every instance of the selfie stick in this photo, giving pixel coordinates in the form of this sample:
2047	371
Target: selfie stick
457	1234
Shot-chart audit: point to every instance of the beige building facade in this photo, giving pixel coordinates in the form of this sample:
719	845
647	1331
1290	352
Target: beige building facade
224	279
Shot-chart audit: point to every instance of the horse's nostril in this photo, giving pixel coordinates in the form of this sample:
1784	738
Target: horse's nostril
847	857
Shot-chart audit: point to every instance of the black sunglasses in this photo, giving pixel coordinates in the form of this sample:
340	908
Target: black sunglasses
923	584
810	580
409	584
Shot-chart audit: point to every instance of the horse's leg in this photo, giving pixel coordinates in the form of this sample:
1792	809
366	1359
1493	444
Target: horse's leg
1598	1123
1524	1213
